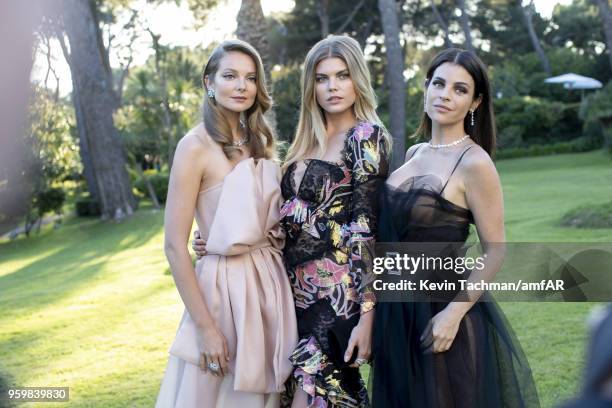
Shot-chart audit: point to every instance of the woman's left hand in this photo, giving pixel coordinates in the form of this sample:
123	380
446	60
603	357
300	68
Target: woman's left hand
440	332
361	337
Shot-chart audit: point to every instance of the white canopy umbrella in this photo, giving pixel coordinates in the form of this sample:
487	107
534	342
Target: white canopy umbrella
575	81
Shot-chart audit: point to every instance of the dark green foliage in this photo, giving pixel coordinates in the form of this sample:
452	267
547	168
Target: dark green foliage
287	101
582	144
159	181
597	114
50	200
526	120
85	206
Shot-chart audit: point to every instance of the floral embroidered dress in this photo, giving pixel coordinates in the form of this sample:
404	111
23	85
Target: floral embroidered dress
330	220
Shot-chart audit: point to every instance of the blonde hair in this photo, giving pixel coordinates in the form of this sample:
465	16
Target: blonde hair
310	134
262	142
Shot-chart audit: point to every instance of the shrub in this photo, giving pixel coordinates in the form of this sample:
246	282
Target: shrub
86	206
597	113
287	96
159	181
524	120
592	216
582	144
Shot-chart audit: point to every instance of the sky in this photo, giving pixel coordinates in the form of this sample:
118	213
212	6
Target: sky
175	24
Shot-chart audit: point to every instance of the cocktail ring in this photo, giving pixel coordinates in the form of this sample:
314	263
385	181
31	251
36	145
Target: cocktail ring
213	366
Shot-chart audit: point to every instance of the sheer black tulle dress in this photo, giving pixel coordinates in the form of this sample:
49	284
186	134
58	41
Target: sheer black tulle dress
485	366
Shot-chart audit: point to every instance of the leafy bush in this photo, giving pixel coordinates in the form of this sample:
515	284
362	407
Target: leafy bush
597	113
582	144
287	96
86	206
592	216
159	182
525	120
50	200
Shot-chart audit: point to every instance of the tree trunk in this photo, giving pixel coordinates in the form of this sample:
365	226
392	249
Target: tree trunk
88	170
395	79
535	40
251	28
464	20
606	17
96	100
149	186
323	13
447	42
350	17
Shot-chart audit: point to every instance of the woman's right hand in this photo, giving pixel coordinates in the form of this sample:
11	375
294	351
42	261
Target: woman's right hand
198	245
213	350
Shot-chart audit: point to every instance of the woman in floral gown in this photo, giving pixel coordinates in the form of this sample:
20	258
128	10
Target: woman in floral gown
334	169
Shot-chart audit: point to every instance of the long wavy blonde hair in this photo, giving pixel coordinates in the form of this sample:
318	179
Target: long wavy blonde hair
310	135
262	142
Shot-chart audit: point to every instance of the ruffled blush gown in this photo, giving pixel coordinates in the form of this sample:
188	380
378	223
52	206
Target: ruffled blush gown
246	289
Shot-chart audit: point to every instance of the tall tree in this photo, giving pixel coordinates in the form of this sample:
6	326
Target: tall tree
464	20
84	149
606	18
395	78
252	28
96	100
443	24
323	13
527	12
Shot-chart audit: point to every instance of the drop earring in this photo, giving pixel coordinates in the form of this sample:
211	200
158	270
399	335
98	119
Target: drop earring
211	94
472	117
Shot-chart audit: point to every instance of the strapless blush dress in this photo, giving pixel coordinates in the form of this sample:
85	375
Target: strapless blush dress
247	291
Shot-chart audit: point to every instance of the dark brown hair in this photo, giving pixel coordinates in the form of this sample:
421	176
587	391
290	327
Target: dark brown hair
483	132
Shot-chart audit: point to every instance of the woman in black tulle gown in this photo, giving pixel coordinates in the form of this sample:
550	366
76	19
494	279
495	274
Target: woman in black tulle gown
451	353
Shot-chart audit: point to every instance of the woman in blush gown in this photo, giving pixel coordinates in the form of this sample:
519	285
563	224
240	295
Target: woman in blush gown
239	326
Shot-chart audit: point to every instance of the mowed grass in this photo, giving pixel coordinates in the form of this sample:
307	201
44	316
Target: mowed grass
91	305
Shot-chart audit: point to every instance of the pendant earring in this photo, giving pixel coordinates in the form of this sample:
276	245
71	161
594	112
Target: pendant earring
211	94
472	117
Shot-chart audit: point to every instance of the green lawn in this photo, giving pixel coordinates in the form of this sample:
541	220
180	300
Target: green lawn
92	306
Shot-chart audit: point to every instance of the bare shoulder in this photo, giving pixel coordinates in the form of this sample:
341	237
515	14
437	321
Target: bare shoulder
195	143
478	165
411	150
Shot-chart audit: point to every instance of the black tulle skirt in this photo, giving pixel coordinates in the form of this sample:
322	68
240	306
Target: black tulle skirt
485	366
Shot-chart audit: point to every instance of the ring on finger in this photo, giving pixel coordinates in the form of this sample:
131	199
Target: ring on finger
213	367
360	361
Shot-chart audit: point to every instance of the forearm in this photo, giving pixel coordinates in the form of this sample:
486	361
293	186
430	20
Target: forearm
493	260
187	285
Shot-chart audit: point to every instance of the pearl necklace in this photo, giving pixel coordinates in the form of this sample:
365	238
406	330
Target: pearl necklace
455	143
